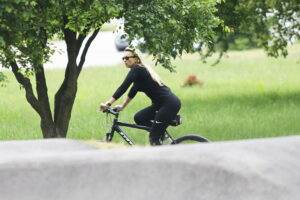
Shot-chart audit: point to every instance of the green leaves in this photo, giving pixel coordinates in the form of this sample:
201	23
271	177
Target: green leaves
169	28
90	14
26	26
2	41
271	24
24	33
3	78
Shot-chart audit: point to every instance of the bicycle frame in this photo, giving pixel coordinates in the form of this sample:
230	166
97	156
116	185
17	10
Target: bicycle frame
116	128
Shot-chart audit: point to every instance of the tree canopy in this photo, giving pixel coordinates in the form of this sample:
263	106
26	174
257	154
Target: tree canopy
168	27
271	24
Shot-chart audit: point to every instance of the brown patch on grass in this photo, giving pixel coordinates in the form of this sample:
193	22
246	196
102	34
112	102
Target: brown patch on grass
192	80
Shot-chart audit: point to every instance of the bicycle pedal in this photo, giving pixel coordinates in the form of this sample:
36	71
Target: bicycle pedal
166	140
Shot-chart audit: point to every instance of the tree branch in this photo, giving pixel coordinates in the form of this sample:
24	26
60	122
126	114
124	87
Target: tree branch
65	96
79	42
27	85
70	38
42	91
69	35
81	38
84	52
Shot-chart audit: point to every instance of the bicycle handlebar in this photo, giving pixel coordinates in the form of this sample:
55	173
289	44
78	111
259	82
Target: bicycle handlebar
113	111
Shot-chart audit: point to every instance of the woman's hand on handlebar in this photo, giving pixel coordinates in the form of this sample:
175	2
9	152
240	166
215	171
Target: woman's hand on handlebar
119	107
107	104
103	106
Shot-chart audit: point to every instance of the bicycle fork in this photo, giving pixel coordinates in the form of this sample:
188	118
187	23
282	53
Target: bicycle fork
110	135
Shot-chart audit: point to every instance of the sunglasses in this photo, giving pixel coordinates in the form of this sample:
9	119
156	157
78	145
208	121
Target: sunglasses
125	58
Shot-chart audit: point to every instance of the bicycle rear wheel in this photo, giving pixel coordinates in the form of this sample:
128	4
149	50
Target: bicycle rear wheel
190	139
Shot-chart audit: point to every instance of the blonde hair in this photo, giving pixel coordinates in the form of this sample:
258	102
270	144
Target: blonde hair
151	71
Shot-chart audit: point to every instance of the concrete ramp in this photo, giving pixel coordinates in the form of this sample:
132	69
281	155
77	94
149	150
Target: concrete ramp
58	169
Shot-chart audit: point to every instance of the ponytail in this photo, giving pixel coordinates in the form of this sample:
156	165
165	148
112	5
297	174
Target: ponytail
152	73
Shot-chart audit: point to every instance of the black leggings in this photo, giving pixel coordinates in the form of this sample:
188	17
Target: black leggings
161	115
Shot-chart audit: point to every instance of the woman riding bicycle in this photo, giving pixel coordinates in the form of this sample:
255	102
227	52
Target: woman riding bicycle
165	105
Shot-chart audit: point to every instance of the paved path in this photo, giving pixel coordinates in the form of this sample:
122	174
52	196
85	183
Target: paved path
58	169
102	52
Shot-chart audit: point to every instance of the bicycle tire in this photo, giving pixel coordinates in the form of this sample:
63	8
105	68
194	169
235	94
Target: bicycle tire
195	138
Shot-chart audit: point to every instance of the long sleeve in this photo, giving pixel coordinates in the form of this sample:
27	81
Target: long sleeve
132	92
131	76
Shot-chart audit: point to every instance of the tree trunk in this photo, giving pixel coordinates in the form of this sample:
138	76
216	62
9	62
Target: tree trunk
65	96
41	103
48	128
47	124
64	100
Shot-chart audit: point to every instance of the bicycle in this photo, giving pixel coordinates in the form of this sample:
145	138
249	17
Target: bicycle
166	137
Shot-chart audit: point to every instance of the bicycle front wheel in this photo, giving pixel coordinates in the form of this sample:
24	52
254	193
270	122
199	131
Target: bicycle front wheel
190	139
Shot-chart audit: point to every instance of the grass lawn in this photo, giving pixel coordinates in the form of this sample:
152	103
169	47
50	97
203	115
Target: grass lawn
247	95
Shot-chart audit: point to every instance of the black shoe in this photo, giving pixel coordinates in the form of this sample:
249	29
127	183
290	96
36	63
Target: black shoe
155	142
